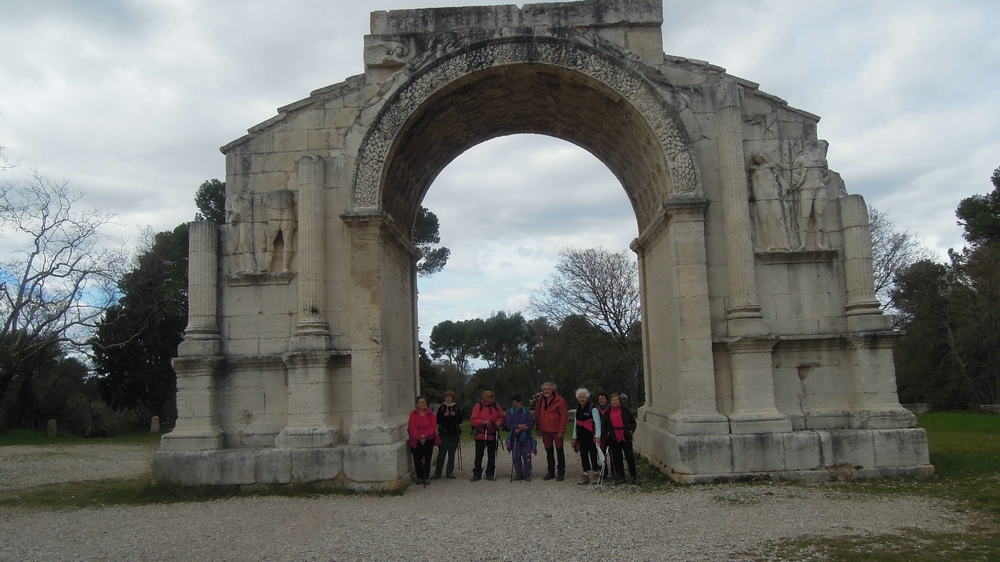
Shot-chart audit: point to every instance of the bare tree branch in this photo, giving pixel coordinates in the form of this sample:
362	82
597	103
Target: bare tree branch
893	250
56	285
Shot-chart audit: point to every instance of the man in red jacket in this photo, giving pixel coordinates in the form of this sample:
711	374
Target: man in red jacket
486	420
551	418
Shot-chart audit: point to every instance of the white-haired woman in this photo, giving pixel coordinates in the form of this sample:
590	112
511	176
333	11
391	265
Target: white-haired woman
586	431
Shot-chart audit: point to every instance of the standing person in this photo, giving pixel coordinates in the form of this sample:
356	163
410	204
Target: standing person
423	436
551	418
449	418
618	426
603	405
486	420
520	443
585	430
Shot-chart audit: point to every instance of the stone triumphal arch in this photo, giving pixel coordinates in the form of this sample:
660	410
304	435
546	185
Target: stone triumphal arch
765	350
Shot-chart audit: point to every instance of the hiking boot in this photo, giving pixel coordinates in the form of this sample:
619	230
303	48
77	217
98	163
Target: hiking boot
476	478
584	479
451	477
518	477
436	477
527	478
635	480
561	477
548	476
491	478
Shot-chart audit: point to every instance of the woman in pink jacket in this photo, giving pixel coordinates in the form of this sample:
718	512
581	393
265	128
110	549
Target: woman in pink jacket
423	437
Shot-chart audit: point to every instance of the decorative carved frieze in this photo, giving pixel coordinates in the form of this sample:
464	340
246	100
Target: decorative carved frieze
451	57
258	226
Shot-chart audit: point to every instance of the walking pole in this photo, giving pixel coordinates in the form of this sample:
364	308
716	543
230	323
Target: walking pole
460	468
513	455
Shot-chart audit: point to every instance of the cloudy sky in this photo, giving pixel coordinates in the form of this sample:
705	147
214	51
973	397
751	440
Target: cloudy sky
129	102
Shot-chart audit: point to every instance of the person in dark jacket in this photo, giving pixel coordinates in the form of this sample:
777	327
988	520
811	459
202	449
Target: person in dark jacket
603	405
618	425
449	418
486	420
586	429
520	443
551	418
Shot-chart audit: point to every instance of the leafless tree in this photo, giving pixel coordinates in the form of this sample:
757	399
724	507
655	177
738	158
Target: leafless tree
57	274
893	250
5	163
597	284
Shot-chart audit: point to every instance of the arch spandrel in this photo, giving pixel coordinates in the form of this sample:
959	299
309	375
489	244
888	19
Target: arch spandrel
585	57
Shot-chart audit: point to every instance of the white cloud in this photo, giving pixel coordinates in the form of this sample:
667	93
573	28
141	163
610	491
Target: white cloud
129	101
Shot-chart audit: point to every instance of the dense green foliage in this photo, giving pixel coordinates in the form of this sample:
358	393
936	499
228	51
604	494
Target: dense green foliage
211	201
139	335
520	355
949	355
426	237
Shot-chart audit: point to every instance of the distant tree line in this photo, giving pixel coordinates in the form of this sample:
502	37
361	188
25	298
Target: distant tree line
949	354
589	336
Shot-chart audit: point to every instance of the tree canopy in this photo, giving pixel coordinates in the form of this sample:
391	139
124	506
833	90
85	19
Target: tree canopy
211	201
426	237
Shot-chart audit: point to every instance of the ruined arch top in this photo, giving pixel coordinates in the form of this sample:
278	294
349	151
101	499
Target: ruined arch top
596	68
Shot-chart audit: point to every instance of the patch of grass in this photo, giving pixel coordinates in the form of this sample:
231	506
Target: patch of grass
25	437
965	450
141	491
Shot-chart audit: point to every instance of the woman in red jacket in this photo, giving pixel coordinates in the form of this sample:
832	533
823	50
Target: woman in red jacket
423	437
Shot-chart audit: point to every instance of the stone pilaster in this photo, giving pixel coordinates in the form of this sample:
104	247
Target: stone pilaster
753	388
743	303
876	404
689	325
198	360
309	398
312	330
864	314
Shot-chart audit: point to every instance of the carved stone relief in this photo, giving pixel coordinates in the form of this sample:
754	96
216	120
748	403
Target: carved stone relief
446	59
259	226
791	187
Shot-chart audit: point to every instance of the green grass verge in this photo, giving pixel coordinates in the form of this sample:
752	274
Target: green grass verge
25	437
965	449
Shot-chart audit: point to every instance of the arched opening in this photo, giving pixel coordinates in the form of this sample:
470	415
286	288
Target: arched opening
505	220
525	98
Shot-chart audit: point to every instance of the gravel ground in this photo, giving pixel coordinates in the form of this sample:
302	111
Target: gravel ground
450	519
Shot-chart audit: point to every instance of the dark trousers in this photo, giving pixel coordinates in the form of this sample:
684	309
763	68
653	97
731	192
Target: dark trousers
422	454
617	450
449	444
550	459
490	448
521	456
588	454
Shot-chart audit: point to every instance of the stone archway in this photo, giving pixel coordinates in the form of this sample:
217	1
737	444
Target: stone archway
306	371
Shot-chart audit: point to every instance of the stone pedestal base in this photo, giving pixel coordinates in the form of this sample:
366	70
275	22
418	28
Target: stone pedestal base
812	456
373	467
194	440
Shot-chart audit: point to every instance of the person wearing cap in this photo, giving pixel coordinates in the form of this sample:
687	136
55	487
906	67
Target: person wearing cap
520	443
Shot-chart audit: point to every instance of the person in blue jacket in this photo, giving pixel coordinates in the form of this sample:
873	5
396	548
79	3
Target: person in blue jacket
520	443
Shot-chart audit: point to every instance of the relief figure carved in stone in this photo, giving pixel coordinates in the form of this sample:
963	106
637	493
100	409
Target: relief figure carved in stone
239	220
768	209
810	177
257	227
279	208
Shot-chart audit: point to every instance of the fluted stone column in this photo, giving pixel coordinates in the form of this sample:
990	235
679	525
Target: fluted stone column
750	354
201	337
864	314
312	330
736	211
198	358
308	360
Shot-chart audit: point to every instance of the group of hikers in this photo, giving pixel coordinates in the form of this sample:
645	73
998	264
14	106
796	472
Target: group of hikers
606	425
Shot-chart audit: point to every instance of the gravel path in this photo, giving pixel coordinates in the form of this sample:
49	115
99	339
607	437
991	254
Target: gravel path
462	520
